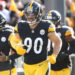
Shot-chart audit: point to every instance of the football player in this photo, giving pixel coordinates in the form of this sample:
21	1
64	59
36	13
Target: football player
63	64
6	68
33	33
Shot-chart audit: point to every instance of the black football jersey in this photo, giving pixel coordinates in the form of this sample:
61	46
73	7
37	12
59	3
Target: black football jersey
5	46
36	40
63	31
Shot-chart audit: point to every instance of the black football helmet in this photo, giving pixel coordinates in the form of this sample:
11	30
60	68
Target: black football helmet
33	8
2	20
54	16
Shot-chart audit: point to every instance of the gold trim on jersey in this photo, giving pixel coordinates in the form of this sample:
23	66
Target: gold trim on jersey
16	29
10	36
68	33
51	29
49	14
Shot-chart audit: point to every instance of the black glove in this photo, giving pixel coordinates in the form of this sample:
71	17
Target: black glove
61	56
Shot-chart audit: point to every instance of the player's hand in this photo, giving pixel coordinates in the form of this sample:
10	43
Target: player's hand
2	57
52	59
13	6
20	49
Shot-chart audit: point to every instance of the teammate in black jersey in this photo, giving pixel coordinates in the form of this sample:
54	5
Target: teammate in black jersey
5	47
34	33
63	64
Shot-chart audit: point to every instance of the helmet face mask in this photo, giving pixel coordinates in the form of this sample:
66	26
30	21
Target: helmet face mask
33	13
31	18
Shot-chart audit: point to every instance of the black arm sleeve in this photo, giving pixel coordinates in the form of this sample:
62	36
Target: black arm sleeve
14	56
62	55
72	47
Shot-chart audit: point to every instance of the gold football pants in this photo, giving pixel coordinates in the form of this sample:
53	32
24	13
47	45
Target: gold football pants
65	71
36	69
7	72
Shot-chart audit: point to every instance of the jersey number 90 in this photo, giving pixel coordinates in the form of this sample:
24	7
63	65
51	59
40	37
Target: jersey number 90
29	43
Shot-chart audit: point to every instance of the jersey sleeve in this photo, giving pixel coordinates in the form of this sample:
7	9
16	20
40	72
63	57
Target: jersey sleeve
69	31
18	26
51	28
17	45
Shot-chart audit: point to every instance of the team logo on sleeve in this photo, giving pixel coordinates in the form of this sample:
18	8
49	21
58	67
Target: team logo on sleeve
42	31
3	39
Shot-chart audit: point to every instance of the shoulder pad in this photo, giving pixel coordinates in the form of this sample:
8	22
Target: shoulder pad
69	30
51	28
19	25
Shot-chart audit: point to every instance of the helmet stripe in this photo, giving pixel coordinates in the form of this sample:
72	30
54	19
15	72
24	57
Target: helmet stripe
30	6
49	14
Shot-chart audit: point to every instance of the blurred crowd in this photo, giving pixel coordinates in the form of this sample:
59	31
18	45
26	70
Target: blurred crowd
70	13
12	9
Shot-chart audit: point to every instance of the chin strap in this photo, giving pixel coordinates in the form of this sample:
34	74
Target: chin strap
32	23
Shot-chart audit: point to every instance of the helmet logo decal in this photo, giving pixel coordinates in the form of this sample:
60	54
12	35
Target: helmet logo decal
3	39
49	14
42	31
30	6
